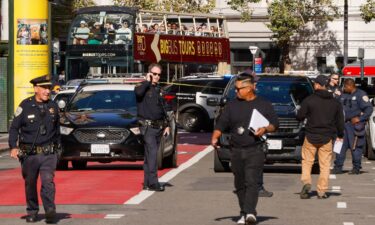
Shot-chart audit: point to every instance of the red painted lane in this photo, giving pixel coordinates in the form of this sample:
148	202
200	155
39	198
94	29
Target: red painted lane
113	183
59	216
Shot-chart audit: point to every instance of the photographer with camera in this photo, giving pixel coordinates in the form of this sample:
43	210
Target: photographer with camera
36	127
153	118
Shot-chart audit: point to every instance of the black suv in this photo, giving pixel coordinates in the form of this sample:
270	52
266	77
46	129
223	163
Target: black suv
100	124
188	96
285	94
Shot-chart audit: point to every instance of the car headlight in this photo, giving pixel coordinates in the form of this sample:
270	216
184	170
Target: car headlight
135	130
65	130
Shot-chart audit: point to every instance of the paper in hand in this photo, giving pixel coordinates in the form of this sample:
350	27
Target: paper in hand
337	147
257	121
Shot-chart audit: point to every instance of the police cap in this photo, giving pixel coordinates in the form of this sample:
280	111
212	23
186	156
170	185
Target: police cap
42	81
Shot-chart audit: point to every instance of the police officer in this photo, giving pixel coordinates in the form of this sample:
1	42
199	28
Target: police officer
36	127
333	85
247	155
357	110
153	117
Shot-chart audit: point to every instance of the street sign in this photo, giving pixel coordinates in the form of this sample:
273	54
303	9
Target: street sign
258	65
253	49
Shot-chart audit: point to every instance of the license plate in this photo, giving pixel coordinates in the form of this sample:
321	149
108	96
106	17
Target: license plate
275	144
99	149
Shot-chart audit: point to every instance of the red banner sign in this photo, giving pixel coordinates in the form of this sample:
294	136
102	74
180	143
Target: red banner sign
180	48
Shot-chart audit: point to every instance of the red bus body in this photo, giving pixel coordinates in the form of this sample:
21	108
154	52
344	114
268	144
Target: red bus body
354	69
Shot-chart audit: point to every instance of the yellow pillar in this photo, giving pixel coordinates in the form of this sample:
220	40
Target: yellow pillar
30	44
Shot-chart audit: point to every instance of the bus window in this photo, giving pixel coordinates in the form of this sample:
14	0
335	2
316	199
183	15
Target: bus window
101	28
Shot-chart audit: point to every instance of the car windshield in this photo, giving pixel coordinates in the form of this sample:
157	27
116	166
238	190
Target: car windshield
104	100
280	91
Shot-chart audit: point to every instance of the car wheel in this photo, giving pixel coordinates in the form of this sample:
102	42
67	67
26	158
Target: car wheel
160	155
79	165
192	120
370	149
62	165
171	160
220	166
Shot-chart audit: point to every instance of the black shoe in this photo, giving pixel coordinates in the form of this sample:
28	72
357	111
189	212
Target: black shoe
355	172
156	187
145	187
305	191
336	171
325	196
264	193
31	218
51	216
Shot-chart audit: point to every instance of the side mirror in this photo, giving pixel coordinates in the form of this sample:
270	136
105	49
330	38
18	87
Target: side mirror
61	104
212	101
223	101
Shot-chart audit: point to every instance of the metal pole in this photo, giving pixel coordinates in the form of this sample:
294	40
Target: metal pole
346	32
253	62
362	64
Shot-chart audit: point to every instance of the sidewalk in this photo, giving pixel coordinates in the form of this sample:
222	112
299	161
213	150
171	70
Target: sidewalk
4	142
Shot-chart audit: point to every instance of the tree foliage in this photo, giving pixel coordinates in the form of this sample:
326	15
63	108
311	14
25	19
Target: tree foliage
188	6
289	17
368	11
82	3
243	6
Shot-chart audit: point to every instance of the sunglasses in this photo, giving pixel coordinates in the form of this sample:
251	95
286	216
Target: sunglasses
335	78
239	88
156	74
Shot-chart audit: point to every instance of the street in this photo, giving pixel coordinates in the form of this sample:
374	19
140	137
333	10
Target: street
111	194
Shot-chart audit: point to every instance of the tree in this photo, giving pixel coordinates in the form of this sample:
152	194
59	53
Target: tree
368	11
243	6
289	17
188	6
82	3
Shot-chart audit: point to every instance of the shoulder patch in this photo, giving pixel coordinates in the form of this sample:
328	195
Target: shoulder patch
365	98
18	111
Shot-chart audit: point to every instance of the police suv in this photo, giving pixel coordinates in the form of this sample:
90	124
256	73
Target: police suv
100	124
190	96
285	93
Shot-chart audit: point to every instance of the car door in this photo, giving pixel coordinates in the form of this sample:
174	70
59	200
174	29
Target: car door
212	89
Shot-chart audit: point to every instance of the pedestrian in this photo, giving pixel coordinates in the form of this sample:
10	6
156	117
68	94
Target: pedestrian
357	110
153	118
36	127
333	85
247	147
324	124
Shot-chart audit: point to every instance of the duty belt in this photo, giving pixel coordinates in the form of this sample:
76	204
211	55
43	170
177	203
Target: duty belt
152	123
38	149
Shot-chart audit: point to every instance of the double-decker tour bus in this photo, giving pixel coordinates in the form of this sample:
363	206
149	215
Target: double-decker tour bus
121	40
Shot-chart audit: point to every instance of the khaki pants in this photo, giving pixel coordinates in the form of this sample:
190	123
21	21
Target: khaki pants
308	157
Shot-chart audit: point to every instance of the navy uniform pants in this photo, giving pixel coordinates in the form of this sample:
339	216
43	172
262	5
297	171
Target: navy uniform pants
32	167
151	138
247	166
357	151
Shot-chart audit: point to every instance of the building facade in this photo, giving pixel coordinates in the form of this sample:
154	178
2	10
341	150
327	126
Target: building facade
320	48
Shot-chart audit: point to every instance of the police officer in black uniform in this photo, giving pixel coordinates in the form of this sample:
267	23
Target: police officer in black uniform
36	128
247	147
357	110
153	117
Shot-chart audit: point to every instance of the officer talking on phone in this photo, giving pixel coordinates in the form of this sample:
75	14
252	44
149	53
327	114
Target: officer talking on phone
153	118
36	127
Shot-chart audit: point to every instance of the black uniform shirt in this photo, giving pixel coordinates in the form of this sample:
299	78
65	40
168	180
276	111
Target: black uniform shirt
237	114
149	101
29	116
